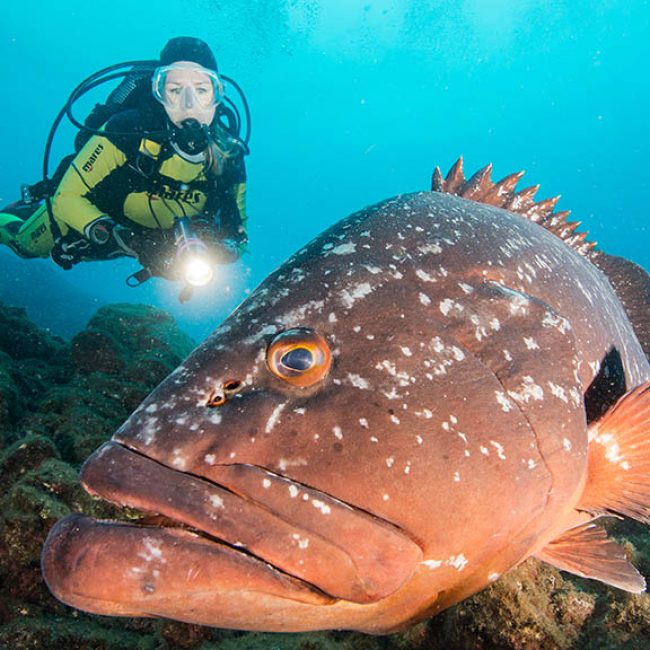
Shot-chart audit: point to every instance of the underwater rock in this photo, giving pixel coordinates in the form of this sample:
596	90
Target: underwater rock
21	339
138	341
59	401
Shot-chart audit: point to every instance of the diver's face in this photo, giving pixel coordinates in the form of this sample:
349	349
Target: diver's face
188	93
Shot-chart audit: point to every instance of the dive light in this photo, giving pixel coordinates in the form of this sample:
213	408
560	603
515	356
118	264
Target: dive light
191	255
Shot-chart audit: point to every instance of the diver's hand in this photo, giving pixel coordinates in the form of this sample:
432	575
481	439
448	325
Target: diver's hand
68	253
227	251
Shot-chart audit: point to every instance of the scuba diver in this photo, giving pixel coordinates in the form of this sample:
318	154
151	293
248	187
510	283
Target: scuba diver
158	175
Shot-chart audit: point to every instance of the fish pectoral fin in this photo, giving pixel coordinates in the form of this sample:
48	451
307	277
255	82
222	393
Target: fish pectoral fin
586	551
618	475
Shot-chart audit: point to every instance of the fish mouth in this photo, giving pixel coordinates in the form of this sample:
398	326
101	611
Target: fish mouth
251	539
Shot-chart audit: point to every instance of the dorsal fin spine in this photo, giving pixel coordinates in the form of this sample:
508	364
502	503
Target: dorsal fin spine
502	194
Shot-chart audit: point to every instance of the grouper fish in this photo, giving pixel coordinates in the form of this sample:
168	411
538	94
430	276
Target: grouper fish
431	391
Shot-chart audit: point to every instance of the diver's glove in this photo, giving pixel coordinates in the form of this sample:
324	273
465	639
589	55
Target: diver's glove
109	238
225	251
67	252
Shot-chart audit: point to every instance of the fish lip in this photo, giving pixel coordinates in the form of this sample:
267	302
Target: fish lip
85	564
349	554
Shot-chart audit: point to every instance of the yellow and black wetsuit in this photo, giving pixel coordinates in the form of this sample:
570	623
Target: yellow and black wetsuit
143	184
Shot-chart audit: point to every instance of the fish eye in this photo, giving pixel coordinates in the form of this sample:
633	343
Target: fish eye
299	356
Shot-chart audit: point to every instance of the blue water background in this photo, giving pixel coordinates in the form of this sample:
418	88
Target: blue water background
352	102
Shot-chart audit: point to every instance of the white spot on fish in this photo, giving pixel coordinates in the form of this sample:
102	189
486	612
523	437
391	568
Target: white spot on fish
359	291
152	550
323	507
210	459
529	390
423	275
448	304
293	491
559	392
432	564
178	460
338	432
506	404
363	422
303	543
432	247
275	416
358	382
266	483
424	299
499	448
457	561
559	323
390	461
612	448
216	501
531	343
345	249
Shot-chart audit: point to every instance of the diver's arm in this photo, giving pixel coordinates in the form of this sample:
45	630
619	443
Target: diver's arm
233	220
72	202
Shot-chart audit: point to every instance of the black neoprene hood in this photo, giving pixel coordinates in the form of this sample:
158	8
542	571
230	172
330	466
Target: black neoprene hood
188	48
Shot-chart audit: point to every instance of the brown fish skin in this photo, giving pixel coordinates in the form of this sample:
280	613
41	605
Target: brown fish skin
463	340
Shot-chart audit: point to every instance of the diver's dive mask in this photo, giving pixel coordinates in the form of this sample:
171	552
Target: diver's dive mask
187	90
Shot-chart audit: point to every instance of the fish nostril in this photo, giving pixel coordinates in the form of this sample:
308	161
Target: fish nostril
232	386
215	398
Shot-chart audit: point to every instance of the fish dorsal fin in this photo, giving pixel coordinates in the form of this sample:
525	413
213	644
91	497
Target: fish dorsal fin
502	194
618	466
587	551
632	286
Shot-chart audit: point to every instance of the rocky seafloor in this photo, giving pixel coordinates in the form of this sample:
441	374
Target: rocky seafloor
59	400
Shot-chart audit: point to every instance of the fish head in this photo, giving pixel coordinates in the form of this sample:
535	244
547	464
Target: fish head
331	456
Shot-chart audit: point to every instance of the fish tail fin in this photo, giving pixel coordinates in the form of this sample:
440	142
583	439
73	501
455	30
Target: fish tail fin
618	477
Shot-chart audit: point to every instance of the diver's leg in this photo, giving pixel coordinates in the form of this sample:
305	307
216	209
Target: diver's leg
29	238
9	226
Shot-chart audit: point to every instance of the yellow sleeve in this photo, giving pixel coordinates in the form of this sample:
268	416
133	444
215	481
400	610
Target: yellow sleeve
240	199
94	162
